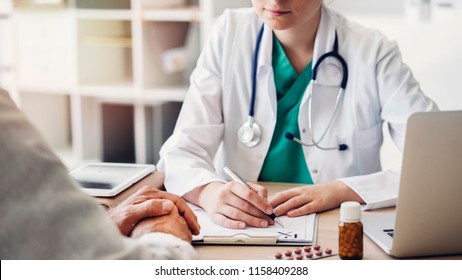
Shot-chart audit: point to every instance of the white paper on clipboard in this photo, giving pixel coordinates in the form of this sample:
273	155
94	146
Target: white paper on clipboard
296	231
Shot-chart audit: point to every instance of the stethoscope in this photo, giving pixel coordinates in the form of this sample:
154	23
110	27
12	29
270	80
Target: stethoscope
250	132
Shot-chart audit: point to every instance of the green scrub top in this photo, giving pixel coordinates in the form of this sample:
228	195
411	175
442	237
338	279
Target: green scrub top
285	161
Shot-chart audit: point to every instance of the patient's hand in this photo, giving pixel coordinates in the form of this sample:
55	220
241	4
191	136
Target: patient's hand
149	202
172	223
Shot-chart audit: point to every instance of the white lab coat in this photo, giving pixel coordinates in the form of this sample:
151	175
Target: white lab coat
380	89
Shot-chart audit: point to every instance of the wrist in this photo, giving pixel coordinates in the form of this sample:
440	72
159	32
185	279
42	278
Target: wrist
346	193
207	193
200	195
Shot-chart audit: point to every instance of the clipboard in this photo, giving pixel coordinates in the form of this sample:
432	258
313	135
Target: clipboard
297	231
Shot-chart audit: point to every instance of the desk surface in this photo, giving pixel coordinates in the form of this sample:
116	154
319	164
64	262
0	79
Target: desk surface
327	238
327	231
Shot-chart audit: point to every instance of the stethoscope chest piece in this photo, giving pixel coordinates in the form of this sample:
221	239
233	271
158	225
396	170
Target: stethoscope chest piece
249	133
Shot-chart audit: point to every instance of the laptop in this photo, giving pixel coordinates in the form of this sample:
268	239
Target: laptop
428	217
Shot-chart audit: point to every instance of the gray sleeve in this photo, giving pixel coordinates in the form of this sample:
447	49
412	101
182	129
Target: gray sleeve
44	214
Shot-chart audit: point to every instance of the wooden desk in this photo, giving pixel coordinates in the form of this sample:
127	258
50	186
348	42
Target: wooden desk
327	238
327	231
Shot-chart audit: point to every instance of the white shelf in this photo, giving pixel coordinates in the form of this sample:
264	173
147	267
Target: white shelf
71	64
165	94
96	14
188	14
122	90
107	41
126	93
45	90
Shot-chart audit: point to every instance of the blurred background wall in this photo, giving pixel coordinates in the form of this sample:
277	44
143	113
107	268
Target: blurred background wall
104	80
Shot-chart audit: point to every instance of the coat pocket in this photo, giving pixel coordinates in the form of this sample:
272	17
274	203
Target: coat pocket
368	143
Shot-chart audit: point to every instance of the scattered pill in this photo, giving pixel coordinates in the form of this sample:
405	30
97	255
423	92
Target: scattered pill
307	248
328	251
317	247
278	255
318	253
299	257
289	258
297	251
288	253
309	255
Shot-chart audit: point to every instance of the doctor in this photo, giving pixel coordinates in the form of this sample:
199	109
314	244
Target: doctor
258	89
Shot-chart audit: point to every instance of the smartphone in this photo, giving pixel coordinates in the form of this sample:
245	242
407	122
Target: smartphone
105	179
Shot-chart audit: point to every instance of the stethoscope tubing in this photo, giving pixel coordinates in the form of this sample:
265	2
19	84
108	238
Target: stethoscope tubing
334	53
254	72
254	127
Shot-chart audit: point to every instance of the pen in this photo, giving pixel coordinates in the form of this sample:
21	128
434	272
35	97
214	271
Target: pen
238	179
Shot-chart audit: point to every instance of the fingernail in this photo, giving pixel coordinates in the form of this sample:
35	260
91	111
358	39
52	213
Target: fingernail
242	225
167	205
269	210
264	223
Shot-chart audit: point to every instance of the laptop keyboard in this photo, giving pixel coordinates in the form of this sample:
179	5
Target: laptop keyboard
390	232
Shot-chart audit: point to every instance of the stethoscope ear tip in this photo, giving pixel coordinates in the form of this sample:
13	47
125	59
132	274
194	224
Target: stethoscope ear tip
289	136
343	147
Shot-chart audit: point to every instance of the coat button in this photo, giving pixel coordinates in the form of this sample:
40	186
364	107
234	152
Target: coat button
314	171
304	130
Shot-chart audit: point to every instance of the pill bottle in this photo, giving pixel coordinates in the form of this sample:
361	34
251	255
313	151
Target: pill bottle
350	235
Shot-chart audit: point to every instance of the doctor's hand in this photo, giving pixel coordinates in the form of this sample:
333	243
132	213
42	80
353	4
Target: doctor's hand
172	223
150	202
313	198
233	205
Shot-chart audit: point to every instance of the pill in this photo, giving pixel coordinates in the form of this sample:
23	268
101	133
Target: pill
317	247
278	255
307	248
318	253
297	251
352	237
299	257
289	258
309	255
288	253
328	251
